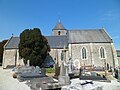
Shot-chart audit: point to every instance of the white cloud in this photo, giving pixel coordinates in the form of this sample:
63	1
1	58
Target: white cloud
110	15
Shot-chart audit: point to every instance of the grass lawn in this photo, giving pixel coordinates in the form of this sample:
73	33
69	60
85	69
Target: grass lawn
50	70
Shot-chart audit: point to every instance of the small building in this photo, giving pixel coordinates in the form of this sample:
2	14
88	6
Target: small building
11	53
87	47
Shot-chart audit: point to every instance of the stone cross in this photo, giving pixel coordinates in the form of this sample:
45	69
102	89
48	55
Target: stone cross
63	79
64	66
62	69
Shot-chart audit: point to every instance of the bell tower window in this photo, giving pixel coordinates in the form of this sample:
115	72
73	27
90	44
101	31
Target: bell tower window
59	32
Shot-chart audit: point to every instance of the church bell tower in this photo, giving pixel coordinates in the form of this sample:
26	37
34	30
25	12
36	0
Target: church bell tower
59	29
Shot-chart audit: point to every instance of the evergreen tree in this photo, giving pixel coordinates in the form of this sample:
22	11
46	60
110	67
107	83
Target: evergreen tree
2	49
33	46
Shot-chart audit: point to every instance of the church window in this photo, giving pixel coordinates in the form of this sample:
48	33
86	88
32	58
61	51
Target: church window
102	52
84	55
59	32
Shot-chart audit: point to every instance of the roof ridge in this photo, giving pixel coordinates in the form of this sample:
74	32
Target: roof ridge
8	42
57	36
84	29
12	43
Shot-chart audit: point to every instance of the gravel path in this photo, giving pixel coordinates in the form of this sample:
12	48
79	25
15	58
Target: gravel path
7	82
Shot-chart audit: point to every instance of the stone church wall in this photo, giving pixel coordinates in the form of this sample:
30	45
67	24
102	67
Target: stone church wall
75	53
11	58
93	54
56	55
61	32
108	54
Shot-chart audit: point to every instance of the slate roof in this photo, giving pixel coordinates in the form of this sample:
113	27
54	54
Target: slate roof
88	36
73	36
57	41
118	53
12	43
59	26
53	41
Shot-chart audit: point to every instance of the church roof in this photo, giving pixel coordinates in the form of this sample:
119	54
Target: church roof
73	36
59	26
88	36
53	41
57	41
12	43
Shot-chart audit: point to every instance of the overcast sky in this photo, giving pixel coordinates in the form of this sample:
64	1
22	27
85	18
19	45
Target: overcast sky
17	15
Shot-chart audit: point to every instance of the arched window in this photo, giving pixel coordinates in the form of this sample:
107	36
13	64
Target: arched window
84	55
102	52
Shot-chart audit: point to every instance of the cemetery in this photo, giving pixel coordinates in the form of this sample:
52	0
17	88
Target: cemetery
66	78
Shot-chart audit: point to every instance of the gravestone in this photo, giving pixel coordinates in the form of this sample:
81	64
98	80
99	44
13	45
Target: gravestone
80	71
28	62
118	74
70	66
44	83
43	72
57	70
37	69
62	69
63	78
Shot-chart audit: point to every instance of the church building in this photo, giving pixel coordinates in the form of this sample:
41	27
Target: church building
87	47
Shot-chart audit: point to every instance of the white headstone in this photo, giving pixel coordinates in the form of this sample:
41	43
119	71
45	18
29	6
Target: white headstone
37	69
28	62
69	68
119	74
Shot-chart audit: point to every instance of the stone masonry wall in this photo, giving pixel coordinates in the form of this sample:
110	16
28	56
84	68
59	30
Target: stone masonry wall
62	32
93	53
56	55
9	57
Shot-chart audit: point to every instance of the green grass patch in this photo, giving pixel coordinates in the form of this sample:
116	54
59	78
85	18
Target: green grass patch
50	70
